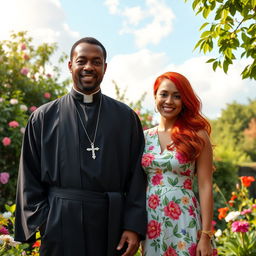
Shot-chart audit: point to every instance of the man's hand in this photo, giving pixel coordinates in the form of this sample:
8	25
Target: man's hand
133	241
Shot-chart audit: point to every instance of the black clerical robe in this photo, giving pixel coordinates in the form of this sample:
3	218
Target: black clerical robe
81	205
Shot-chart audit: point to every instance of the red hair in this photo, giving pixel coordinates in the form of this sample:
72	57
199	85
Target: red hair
184	134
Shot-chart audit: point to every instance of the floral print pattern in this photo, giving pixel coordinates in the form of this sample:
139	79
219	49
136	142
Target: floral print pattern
173	210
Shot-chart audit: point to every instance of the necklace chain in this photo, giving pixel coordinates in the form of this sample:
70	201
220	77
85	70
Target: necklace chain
97	124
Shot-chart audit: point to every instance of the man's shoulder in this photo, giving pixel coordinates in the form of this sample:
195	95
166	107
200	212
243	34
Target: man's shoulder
117	104
47	108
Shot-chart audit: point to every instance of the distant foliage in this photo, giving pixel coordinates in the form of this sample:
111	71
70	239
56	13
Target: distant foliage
230	28
27	80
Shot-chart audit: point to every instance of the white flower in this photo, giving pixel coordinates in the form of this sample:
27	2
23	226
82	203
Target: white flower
7	215
22	130
218	233
1	100
232	216
8	239
23	107
14	101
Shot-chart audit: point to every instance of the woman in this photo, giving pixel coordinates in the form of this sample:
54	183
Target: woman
176	150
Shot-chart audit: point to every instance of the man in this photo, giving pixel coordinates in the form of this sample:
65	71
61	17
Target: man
80	179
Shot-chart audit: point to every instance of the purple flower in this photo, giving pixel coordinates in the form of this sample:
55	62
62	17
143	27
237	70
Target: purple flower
240	226
4	177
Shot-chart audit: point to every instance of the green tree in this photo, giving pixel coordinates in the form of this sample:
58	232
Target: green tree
228	132
231	28
25	84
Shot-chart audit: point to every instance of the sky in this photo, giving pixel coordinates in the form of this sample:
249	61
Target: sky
143	38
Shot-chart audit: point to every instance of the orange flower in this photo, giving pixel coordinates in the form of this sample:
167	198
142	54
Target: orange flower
222	213
36	244
247	180
231	201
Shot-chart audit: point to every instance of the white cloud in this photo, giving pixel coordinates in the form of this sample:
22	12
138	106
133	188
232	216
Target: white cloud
149	24
137	72
44	19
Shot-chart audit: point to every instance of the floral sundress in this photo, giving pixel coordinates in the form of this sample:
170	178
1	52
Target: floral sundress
173	210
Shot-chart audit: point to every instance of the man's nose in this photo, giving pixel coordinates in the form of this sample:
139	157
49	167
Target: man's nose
87	66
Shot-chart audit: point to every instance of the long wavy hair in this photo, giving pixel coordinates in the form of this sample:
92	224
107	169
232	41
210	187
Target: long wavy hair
184	134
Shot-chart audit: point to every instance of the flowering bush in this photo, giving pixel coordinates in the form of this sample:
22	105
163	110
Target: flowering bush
9	247
239	235
25	84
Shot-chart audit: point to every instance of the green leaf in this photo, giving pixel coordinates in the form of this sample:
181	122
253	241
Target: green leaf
210	60
203	26
225	66
214	65
192	223
206	12
205	33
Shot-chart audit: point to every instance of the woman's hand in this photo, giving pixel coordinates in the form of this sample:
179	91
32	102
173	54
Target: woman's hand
204	247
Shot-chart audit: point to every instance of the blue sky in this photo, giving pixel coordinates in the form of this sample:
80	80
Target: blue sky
143	38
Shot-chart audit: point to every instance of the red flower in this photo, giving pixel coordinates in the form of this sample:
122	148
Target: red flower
153	201
247	180
147	159
214	252
32	108
186	173
170	252
187	184
156	179
191	211
222	213
192	250
181	158
154	229
194	201
36	244
172	210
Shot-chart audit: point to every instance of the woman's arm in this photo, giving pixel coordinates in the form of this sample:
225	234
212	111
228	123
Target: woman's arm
204	166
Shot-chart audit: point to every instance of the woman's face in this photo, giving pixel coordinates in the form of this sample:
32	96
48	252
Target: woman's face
168	100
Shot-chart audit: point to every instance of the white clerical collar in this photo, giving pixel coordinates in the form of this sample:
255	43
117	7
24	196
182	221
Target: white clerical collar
87	98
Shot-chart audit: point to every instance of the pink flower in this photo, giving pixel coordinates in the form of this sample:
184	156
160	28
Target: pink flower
49	75
191	211
254	206
172	210
4	231
192	250
156	179
151	148
154	229
240	226
181	158
47	95
187	184
153	201
32	108
24	71
152	132
170	252
23	47
4	177
147	159
245	211
14	101
13	124
186	173
6	141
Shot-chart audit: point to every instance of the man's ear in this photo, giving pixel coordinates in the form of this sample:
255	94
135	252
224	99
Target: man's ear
70	66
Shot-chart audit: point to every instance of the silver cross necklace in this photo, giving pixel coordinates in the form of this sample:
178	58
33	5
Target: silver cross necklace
92	148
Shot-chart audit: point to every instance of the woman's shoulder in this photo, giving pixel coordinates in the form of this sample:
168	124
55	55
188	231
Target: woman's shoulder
151	131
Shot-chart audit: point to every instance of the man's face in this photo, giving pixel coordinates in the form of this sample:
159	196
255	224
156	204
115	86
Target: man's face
87	67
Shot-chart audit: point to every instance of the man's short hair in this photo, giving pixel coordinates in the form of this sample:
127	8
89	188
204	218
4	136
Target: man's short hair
88	40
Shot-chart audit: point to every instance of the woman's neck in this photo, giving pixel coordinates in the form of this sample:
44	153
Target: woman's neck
165	125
